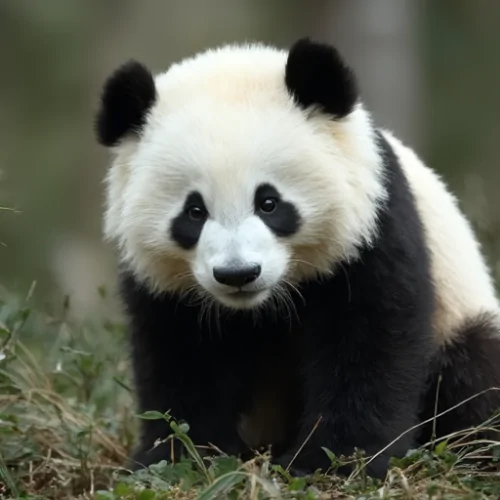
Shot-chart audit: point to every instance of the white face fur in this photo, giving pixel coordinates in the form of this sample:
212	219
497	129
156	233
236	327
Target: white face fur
234	192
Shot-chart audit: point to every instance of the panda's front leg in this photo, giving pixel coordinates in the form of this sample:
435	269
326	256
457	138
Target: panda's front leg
179	365
361	391
203	394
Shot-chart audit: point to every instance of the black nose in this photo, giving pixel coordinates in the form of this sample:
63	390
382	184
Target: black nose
237	275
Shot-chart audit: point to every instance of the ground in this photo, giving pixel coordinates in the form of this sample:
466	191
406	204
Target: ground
67	423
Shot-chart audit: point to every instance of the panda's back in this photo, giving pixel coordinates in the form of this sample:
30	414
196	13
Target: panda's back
464	287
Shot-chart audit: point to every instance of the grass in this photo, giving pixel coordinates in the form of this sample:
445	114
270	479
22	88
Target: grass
67	424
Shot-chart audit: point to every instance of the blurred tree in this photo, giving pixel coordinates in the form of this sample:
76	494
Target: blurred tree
45	51
461	47
380	40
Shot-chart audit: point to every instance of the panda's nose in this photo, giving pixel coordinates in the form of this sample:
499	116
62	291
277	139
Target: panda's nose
237	275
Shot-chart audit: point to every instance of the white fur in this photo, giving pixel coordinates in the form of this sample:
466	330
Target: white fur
224	123
463	283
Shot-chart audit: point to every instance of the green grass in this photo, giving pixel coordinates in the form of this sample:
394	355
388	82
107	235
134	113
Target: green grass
67	424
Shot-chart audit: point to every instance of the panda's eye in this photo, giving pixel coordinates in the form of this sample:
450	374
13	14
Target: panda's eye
197	213
268	205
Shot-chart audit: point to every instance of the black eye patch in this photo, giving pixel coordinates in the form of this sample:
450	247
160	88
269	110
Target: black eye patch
187	226
280	216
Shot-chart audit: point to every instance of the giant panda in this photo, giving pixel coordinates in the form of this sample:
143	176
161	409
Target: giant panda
293	275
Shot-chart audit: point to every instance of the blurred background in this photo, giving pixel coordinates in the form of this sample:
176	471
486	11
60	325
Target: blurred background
429	70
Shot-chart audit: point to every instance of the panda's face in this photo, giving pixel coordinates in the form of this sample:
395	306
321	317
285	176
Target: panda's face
219	201
232	192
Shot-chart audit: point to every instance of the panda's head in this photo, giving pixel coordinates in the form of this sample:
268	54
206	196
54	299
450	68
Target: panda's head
240	171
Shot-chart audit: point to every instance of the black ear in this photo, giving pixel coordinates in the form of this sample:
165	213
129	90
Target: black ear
316	74
127	96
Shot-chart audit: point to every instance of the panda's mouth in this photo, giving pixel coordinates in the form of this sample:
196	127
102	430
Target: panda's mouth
244	294
244	299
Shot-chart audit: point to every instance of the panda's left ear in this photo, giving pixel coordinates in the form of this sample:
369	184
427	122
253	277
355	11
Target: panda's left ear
316	74
127	96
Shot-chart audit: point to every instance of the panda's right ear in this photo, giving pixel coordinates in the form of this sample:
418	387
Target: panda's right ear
127	96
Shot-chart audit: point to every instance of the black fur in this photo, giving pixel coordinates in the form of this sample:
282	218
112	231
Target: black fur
285	219
127	96
467	367
180	365
184	230
317	74
364	342
369	340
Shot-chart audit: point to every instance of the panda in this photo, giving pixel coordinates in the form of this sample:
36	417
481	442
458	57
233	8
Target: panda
293	275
